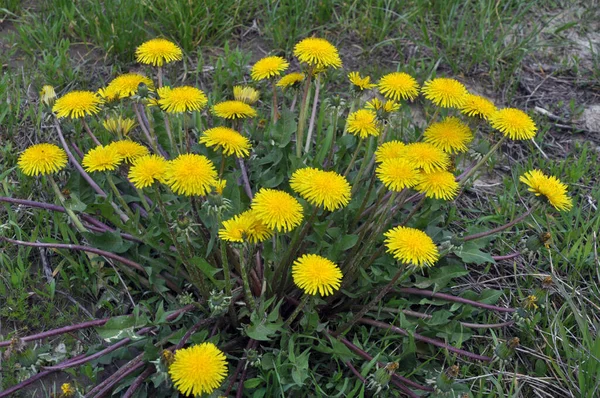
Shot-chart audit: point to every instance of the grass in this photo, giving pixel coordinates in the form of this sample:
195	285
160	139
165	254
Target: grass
488	44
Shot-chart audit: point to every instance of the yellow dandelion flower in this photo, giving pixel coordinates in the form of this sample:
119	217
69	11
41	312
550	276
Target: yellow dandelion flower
451	135
220	186
181	99
321	188
158	52
247	95
378	105
278	210
119	125
124	86
444	92
427	157
438	184
245	227
47	95
76	104
67	390
363	123
399	85
478	106
316	275
101	158
42	159
530	303
317	52
390	150
290	80
147	170
129	150
268	67
549	187
190	174
513	123
233	110
411	246
230	141
361	83
397	174
198	369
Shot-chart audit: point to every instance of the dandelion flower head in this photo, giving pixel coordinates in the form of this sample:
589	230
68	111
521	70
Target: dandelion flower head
291	80
390	150
317	52
361	83
190	174
549	187
158	52
129	150
148	169
230	141
513	123
47	94
451	135
397	174
478	106
101	158
245	227
278	210
198	369
438	184
76	104
181	99
363	123
119	125
321	188
268	67
399	85
233	110
124	86
316	275
42	159
219	186
411	246
246	94
427	157
444	92
380	106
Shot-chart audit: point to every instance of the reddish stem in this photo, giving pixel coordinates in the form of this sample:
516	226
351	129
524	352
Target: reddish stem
103	253
429	293
368	357
355	372
500	228
428	340
138	381
506	257
25	383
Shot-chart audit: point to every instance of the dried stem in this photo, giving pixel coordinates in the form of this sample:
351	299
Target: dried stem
89	132
428	340
500	228
313	115
448	297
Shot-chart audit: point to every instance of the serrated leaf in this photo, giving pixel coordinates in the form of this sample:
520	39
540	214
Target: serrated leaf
470	254
109	241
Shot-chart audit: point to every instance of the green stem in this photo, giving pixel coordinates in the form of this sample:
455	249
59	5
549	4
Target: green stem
192	271
120	199
372	303
302	116
311	124
227	277
360	142
244	274
484	159
297	311
275	111
63	201
143	199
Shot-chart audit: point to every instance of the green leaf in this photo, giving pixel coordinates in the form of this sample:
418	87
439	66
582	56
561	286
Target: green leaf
470	254
348	242
120	327
440	276
109	241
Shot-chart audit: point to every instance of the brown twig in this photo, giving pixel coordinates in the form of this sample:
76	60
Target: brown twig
448	297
